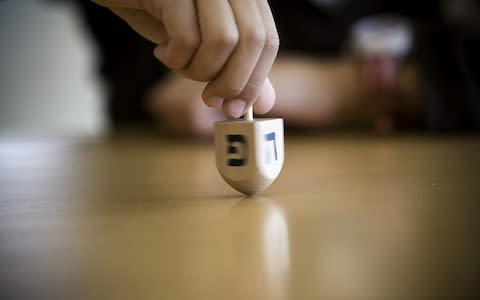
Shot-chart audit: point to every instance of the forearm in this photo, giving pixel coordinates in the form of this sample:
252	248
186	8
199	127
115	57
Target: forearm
315	92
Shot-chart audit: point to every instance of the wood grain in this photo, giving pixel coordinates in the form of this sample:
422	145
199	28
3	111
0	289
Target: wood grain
140	217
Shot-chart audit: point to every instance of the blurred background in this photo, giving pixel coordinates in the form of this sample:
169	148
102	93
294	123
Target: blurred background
73	68
139	215
48	79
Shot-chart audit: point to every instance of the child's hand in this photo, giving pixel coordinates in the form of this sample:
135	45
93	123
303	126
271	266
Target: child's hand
231	44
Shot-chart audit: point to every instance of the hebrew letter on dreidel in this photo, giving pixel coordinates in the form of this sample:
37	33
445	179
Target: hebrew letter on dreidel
249	153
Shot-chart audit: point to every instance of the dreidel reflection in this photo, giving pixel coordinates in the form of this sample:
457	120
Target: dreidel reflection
249	152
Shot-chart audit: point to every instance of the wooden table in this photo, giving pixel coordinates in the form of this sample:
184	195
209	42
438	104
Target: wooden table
140	217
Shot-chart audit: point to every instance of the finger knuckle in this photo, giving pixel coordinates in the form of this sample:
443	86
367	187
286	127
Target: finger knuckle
272	42
226	40
254	37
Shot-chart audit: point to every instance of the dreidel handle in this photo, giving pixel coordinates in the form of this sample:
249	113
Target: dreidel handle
249	114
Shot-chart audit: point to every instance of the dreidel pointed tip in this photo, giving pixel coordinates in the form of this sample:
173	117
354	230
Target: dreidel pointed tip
249	187
249	153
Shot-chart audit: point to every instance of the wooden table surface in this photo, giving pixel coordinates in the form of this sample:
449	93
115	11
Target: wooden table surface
141	217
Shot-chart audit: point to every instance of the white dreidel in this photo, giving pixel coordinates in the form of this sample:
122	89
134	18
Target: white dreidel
249	152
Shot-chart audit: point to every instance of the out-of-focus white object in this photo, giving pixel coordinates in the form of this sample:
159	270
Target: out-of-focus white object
382	34
48	79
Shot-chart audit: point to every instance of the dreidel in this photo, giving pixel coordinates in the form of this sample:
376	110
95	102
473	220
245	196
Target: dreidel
249	152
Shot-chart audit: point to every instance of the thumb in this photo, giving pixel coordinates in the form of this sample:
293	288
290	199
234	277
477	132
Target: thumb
266	99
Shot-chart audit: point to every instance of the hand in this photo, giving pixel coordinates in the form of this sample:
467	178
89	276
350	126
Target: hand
329	93
231	44
175	102
378	73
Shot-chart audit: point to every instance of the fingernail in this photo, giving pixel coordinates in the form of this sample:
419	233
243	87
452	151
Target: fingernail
215	102
236	108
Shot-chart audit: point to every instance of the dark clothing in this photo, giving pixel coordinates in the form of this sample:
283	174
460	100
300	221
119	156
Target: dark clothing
307	28
449	65
127	64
